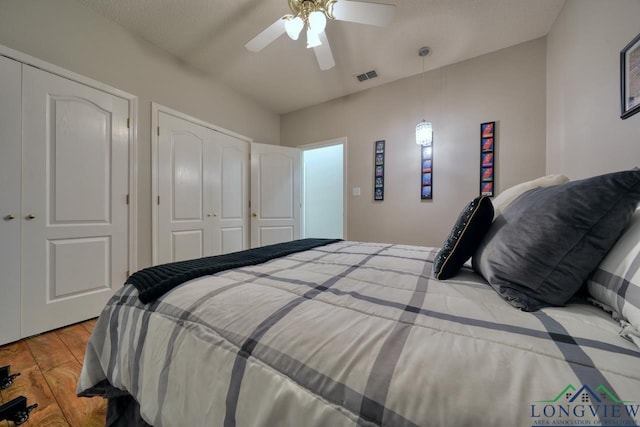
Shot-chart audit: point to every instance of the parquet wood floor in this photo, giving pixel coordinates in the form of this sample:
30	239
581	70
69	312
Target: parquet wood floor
49	366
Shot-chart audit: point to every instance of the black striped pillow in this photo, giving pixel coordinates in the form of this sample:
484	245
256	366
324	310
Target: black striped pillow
467	233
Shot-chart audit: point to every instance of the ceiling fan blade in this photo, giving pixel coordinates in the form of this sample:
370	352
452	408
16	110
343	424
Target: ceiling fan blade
266	37
364	13
323	53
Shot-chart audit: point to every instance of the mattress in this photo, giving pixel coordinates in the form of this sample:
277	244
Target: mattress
359	334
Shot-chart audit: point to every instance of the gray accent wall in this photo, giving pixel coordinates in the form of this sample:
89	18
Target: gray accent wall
585	135
507	86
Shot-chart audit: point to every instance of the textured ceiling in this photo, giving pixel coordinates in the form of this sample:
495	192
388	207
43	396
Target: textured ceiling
209	35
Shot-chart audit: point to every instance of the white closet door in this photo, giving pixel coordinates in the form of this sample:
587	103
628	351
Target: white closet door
203	187
187	170
233	226
10	158
187	175
75	184
275	194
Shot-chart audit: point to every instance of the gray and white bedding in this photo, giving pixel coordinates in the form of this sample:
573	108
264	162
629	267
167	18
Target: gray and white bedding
359	334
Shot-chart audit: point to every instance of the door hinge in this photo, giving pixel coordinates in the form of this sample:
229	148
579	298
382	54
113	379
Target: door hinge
158	130
127	199
249	204
128	123
158	199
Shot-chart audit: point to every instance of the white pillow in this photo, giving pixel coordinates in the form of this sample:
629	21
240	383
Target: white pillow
504	199
616	281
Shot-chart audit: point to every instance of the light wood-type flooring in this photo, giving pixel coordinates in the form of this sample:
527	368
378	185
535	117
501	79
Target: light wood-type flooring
50	365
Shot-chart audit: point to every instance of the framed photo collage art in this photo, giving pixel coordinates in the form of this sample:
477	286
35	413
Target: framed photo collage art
378	178
487	165
487	158
426	175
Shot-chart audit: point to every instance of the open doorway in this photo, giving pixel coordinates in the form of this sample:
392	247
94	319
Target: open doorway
323	167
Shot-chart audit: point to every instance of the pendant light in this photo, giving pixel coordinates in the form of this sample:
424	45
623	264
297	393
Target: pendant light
424	129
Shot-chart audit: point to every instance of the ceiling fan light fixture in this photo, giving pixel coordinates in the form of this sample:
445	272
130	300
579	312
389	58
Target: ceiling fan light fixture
313	39
314	14
317	21
294	26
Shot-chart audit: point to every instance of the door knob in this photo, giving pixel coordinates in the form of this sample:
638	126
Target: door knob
30	216
254	215
10	217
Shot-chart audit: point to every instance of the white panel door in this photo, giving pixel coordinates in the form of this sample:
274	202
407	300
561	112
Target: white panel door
203	188
10	158
74	206
187	173
233	225
275	194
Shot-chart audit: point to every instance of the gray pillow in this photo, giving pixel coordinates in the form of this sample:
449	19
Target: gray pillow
544	245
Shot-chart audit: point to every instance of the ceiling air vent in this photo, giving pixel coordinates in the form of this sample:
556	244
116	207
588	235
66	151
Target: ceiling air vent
366	76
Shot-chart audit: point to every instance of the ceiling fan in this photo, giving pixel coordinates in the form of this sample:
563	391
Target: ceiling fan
314	14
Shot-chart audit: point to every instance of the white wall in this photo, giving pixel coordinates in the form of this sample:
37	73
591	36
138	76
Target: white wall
70	35
585	135
508	86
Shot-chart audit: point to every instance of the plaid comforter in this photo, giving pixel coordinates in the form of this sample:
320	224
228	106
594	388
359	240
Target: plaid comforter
359	334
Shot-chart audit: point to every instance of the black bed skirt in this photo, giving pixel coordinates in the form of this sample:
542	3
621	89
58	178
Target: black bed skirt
124	411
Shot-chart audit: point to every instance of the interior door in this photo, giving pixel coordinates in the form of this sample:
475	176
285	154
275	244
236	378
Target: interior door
275	194
10	158
203	188
233	226
187	174
74	200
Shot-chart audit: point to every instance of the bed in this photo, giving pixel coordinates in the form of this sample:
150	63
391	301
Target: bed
353	333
